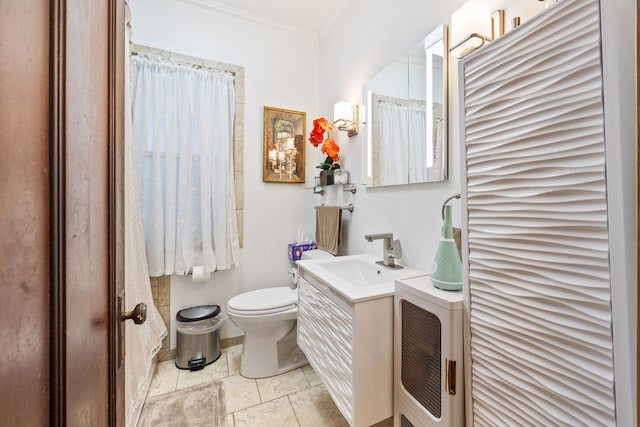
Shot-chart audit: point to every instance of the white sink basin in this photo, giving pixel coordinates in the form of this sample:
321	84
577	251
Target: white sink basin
358	277
360	273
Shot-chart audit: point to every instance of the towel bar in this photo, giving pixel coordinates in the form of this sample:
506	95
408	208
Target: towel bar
351	188
349	207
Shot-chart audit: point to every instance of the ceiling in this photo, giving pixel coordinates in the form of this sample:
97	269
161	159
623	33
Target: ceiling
312	15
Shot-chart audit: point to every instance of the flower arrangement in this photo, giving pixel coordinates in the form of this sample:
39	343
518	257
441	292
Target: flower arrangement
329	145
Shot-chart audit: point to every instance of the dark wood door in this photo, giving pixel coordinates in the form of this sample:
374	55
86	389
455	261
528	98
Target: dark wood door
61	244
24	212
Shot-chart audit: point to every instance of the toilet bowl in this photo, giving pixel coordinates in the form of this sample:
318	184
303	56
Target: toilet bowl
269	319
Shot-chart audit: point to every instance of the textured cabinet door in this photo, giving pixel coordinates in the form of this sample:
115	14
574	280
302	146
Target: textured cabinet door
325	333
539	282
350	345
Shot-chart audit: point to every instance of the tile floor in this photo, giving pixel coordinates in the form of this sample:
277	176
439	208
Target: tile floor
293	399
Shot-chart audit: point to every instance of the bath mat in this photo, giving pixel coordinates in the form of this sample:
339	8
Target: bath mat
197	406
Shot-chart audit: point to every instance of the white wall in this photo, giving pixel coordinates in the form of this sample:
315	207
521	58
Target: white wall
281	70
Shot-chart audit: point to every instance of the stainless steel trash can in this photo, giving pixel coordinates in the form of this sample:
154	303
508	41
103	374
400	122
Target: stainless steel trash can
198	336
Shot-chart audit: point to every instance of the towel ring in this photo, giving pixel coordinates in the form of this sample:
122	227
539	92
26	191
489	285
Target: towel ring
455	196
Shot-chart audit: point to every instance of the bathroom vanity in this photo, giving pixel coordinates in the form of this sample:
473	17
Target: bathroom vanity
345	328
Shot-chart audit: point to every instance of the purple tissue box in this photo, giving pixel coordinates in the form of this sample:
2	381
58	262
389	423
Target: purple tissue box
295	250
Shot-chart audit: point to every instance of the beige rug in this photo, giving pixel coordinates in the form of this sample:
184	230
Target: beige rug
197	406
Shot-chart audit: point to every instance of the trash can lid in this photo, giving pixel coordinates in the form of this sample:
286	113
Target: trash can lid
201	312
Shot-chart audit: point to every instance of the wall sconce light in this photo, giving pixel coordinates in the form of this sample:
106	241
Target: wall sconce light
345	117
470	43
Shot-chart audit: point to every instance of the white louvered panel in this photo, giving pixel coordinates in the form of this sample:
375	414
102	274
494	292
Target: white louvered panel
325	333
539	293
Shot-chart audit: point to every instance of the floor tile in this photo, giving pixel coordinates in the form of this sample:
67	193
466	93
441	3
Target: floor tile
314	408
240	393
311	375
214	371
293	399
276	412
280	385
164	378
233	359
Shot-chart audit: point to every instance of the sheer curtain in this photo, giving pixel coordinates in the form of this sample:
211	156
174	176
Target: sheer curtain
183	129
394	124
142	342
417	143
436	173
405	158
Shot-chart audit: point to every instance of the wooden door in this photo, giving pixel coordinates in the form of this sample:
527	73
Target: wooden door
61	211
24	212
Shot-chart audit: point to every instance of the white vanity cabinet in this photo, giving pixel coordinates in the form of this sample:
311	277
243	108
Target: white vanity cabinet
350	346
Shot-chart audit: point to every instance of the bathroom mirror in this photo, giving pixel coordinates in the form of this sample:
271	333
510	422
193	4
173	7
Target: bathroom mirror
406	104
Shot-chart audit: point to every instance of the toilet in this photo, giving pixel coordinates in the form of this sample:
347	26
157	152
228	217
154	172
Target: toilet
269	319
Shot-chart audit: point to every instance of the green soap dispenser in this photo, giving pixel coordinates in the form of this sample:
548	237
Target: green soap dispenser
447	268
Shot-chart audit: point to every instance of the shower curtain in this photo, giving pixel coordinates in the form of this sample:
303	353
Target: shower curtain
142	342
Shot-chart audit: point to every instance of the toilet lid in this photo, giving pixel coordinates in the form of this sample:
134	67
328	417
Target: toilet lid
268	300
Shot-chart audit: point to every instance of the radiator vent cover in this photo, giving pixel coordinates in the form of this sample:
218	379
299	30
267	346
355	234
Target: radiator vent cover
421	357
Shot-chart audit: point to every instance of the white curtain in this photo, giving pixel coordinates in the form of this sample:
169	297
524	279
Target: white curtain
404	158
393	154
417	143
436	172
142	342
183	129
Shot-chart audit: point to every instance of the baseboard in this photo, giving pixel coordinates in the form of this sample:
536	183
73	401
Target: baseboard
231	341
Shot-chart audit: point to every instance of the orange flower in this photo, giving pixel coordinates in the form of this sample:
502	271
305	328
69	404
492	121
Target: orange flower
322	123
330	148
316	137
329	145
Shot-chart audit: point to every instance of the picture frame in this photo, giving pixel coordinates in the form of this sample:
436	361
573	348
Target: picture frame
284	145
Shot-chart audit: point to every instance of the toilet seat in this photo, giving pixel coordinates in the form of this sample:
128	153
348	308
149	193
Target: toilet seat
264	301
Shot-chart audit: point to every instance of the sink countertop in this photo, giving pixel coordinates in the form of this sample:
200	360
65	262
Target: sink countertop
361	292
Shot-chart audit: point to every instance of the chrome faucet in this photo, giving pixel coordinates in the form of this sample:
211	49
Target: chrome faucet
389	251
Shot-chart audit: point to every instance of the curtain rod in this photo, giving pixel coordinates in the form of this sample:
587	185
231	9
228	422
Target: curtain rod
193	61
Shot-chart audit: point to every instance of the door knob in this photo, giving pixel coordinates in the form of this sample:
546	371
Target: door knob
138	314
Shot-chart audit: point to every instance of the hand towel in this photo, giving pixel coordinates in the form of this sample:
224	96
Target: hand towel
328	228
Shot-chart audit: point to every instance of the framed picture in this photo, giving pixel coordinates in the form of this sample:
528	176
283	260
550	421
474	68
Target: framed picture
284	147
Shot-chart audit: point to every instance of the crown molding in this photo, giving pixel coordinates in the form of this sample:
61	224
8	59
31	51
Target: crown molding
243	14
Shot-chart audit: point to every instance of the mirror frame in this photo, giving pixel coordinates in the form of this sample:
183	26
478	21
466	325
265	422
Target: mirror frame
368	147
